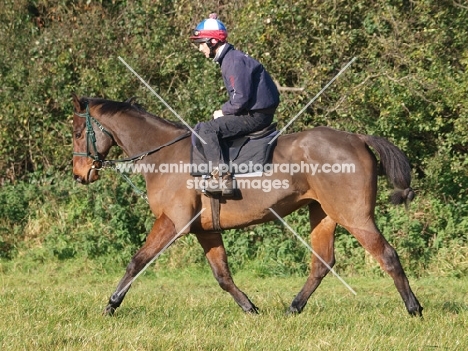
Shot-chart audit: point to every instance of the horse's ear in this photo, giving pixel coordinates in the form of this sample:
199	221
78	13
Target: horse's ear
76	102
131	100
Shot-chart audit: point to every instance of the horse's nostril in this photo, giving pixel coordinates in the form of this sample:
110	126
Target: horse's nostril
77	178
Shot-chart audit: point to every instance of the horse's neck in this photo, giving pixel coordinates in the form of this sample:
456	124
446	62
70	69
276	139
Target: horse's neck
138	134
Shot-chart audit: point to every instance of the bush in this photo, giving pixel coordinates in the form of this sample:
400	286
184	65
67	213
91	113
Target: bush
409	85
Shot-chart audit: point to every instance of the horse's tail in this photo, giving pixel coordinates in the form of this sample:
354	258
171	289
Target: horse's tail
395	165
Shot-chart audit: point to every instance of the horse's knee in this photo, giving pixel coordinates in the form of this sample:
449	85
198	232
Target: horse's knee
390	261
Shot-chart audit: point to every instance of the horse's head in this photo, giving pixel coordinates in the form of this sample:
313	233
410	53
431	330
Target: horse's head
91	141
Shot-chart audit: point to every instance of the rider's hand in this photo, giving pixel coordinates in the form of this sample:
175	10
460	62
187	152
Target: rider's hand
217	114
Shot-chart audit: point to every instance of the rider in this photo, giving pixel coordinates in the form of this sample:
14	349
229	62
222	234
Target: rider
253	96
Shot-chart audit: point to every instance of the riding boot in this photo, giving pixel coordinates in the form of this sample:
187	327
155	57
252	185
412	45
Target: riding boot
213	185
228	185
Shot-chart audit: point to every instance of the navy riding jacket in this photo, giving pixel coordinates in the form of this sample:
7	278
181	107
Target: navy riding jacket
249	85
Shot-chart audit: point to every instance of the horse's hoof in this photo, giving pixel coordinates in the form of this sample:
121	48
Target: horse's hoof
293	311
108	311
416	312
252	310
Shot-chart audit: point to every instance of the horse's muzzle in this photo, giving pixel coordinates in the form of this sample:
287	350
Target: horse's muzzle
90	177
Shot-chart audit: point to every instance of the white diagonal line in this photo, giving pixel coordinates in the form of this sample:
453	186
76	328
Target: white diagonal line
315	98
162	100
307	245
162	250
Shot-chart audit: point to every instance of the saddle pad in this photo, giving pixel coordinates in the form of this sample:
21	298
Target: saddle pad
242	155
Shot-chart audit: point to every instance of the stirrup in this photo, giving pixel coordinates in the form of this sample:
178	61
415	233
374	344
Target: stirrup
228	185
210	183
214	173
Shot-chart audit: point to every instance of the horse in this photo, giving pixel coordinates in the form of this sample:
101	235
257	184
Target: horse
332	198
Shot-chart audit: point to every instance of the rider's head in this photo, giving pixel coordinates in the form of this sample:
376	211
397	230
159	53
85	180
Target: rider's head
212	32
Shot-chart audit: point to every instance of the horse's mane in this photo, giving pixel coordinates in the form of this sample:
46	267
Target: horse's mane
130	106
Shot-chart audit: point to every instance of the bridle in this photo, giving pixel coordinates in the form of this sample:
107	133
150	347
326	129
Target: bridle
99	163
91	148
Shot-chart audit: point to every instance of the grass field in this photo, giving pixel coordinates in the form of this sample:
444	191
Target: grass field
57	306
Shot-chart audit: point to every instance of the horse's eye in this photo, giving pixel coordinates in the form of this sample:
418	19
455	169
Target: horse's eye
77	135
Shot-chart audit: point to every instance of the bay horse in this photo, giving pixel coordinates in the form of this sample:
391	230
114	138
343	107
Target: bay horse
347	199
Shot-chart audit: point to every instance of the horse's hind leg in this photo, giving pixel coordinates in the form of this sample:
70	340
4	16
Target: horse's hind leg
322	240
213	246
374	242
161	234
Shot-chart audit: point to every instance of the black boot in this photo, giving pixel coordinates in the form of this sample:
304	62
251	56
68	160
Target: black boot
228	185
213	185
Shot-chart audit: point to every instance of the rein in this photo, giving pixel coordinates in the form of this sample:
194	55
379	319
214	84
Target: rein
100	163
111	163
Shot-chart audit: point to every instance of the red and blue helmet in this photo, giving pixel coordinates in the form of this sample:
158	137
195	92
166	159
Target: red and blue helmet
210	28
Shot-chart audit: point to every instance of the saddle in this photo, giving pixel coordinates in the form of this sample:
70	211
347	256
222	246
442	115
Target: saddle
240	153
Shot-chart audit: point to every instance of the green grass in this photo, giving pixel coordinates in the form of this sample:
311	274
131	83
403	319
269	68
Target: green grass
57	306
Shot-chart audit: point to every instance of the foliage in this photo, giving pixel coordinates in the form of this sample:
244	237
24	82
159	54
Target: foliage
409	84
67	220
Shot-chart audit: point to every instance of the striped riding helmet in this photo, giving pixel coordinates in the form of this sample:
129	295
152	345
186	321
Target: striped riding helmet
210	28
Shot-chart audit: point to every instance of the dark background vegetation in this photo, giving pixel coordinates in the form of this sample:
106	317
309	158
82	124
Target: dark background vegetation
409	84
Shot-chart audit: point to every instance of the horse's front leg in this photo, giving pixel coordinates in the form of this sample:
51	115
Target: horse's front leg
215	252
161	234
